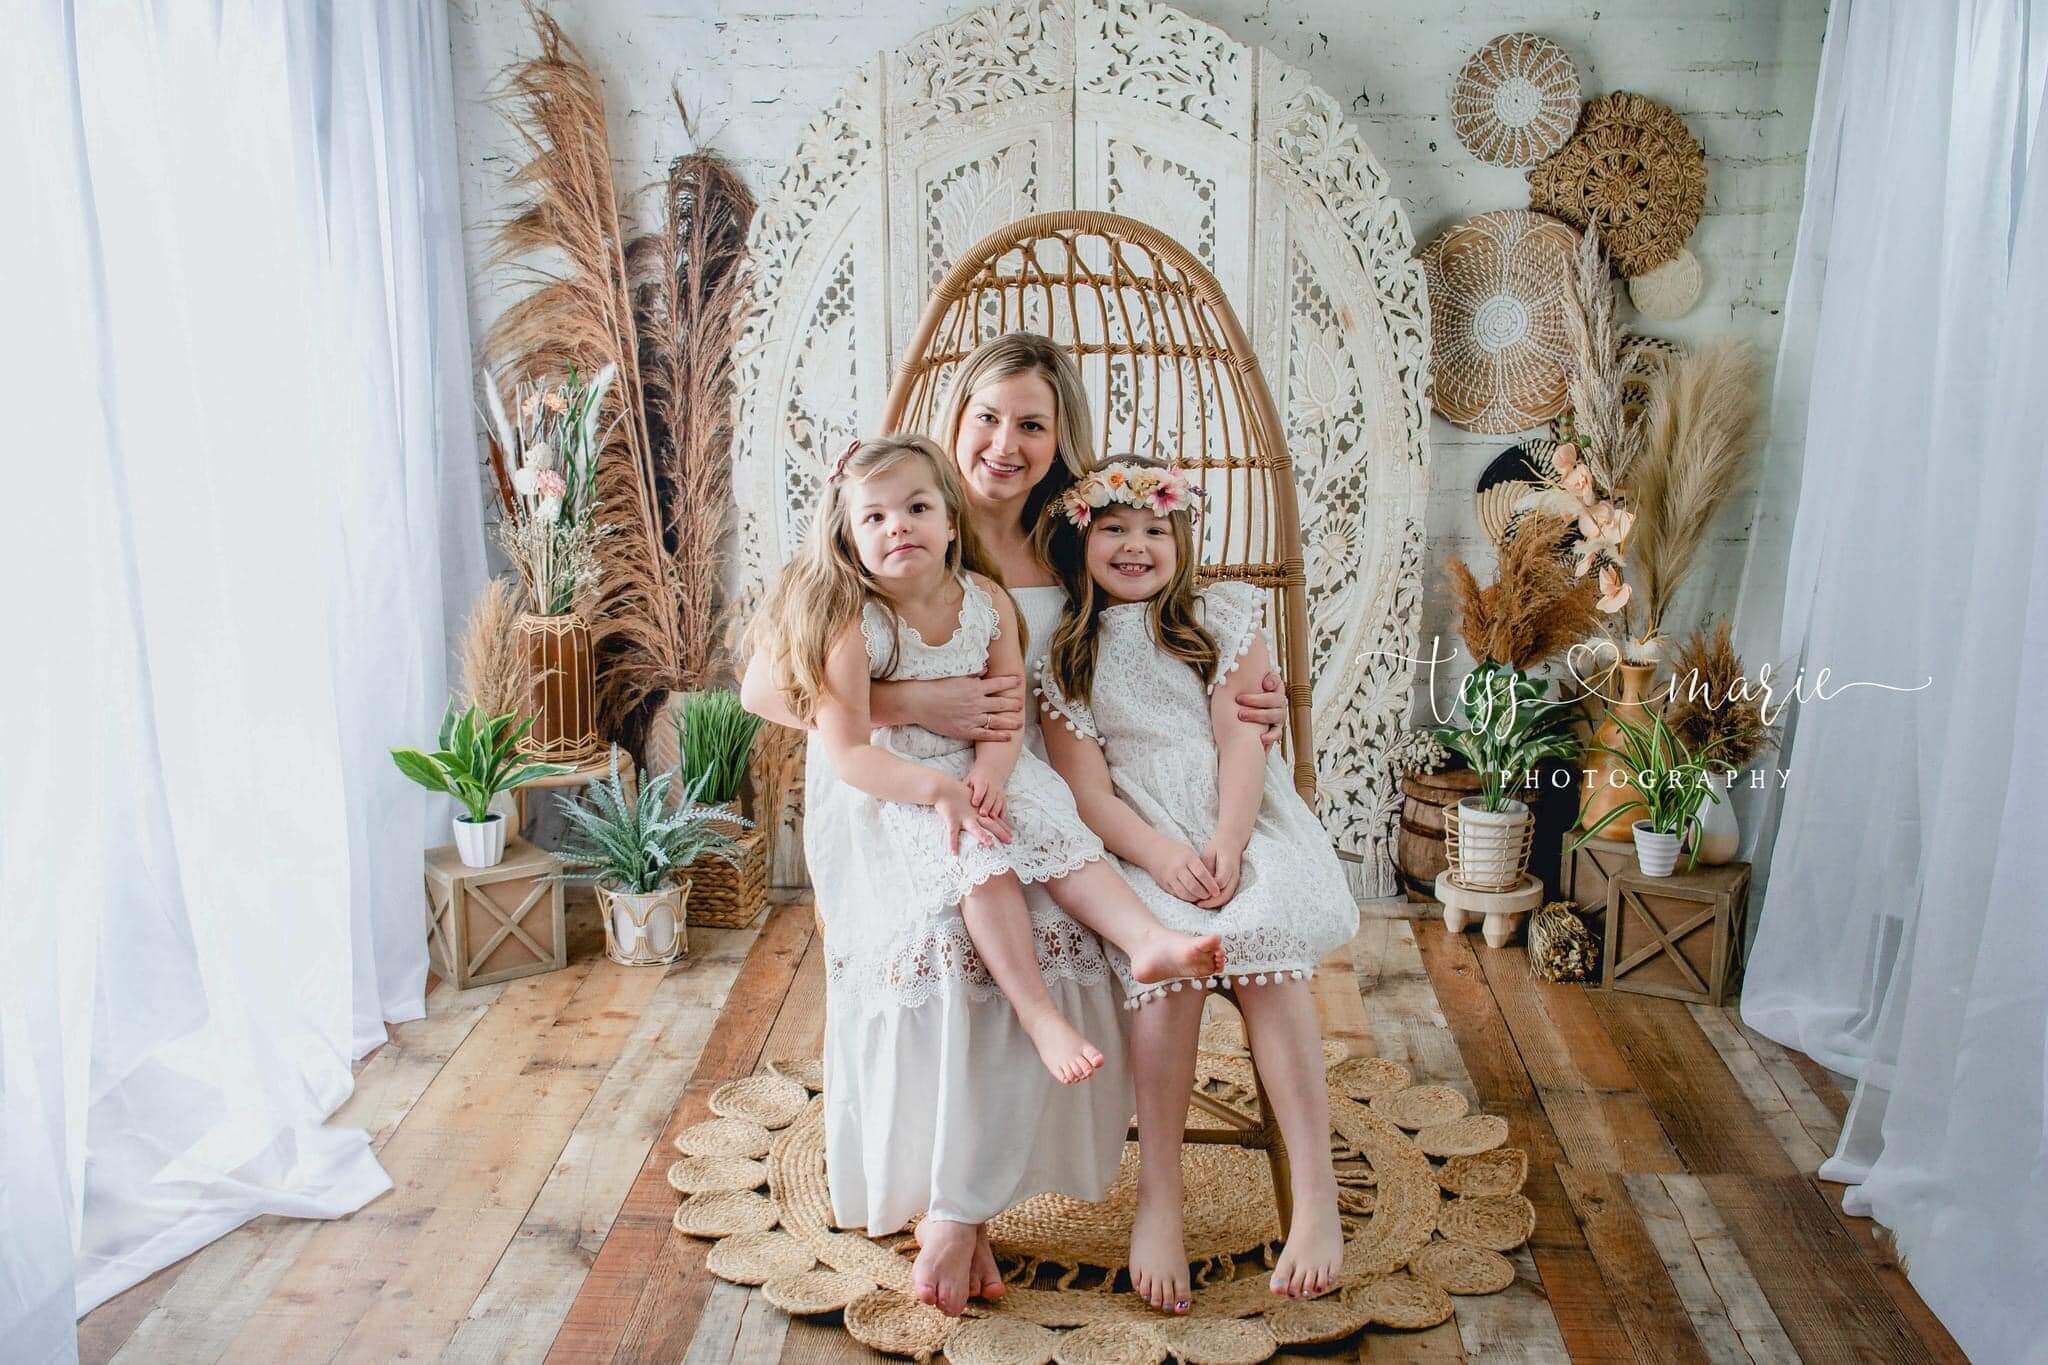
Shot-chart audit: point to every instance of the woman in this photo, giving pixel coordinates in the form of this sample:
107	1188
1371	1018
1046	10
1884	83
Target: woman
1016	423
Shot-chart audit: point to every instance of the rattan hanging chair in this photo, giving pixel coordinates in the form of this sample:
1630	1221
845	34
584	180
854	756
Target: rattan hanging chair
1173	376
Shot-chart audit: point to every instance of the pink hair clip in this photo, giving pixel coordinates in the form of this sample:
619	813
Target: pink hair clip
839	468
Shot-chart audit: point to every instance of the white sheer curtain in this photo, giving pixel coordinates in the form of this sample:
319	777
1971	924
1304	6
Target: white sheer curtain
1900	935
244	517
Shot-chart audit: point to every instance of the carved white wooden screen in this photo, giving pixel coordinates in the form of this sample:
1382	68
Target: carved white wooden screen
1138	109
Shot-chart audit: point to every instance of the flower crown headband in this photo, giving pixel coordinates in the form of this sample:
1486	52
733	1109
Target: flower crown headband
1159	491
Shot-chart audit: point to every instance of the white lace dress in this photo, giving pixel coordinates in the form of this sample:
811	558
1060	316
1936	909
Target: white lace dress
1150	713
934	1098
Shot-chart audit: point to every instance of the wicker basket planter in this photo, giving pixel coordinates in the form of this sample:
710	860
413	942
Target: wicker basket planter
644	930
1488	850
562	667
728	896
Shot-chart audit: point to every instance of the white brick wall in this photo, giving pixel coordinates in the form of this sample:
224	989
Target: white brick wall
1740	72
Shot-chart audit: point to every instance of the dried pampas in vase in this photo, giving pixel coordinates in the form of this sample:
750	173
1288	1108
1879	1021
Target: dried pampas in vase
1534	609
493	657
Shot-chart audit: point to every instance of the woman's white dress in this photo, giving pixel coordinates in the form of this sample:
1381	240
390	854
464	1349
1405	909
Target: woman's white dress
935	1099
1150	713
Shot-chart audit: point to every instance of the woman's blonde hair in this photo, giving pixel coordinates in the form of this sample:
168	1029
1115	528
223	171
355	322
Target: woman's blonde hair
819	595
1064	548
1015	353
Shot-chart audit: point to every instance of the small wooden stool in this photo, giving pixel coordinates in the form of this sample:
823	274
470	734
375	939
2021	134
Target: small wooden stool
489	924
1680	936
1501	908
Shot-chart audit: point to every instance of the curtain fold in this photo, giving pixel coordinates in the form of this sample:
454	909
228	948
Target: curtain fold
247	519
1896	937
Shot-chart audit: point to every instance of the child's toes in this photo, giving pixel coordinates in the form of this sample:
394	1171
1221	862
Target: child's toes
1094	1057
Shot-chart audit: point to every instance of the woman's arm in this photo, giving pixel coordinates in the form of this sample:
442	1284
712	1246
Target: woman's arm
1264	705
963	708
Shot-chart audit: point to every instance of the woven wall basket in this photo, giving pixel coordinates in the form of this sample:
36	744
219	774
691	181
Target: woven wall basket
1635	171
1670	290
562	669
1500	300
1516	100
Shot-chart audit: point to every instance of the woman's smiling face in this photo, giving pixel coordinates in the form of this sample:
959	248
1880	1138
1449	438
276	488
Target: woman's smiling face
1006	441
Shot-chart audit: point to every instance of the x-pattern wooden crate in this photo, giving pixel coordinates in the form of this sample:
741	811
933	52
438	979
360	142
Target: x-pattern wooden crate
488	924
1680	936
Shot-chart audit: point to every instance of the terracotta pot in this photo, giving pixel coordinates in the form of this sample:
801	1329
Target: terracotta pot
563	670
644	929
1610	783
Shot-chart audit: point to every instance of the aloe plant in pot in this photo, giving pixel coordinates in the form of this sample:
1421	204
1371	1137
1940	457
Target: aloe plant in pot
638	849
1510	727
475	758
1671	782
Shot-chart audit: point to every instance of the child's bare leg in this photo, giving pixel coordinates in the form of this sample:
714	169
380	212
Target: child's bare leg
1286	1042
999	924
1097	896
944	1261
1162	1052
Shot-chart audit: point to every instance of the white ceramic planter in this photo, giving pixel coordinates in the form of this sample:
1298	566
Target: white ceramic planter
1493	846
1715	832
1656	854
480	844
644	930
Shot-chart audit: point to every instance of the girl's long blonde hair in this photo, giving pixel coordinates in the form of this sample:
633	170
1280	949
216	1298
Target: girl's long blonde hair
1015	353
820	594
1171	612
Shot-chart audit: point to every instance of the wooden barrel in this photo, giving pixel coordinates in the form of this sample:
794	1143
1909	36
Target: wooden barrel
1419	853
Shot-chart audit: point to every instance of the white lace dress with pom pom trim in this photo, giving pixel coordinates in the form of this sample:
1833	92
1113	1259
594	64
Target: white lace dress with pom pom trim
935	1100
1150	714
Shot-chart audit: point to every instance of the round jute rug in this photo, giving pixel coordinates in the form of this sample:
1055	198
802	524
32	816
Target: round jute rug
1418	1230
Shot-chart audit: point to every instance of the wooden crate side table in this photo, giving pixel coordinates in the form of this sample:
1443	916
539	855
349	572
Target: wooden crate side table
1584	873
1679	937
489	924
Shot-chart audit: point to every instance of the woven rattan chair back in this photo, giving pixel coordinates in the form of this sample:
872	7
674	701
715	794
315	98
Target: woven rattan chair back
1171	375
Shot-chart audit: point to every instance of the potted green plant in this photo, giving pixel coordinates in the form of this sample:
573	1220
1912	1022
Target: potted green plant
1510	727
1671	781
714	737
638	849
475	758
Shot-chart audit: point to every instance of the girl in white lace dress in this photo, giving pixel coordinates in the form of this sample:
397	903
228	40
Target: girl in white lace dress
947	833
1211	832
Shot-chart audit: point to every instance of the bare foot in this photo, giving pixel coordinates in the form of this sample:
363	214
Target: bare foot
1314	1255
940	1275
1168	956
984	1276
1159	1258
1066	1054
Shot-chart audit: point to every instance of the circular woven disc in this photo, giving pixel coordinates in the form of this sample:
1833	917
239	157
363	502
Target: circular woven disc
1364	1077
1112	1343
807	1072
711	1174
1668	291
1633	169
758	1257
1500	1171
1310	1322
1401	1301
1219	1341
1334	1052
1459	1269
891	1322
1001	1341
816	1291
1467	1136
1421	1106
1501	317
724	1213
1356	1199
1500	1222
1516	100
724	1137
772	1101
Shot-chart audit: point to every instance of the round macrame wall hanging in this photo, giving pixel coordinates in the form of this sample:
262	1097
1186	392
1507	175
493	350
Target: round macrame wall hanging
1670	290
1500	304
1634	171
1516	100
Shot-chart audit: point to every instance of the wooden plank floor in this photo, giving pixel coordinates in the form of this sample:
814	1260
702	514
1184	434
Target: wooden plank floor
526	1128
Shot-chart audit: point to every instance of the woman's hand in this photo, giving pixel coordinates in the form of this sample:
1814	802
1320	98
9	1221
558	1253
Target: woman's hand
1265	706
956	805
1226	865
989	795
976	709
1183	871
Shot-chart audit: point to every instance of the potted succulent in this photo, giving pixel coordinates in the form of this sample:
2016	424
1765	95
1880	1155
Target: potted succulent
1671	780
714	737
475	759
1510	728
638	849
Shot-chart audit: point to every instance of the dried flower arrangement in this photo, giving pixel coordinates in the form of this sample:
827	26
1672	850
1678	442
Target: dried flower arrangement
1536	608
553	532
1712	704
493	662
1418	751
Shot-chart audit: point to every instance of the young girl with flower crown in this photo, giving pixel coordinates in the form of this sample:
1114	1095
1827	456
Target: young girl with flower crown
1212	834
892	582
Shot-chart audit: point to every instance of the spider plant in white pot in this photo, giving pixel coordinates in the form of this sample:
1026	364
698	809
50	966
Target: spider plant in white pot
475	759
1671	782
1509	729
638	851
